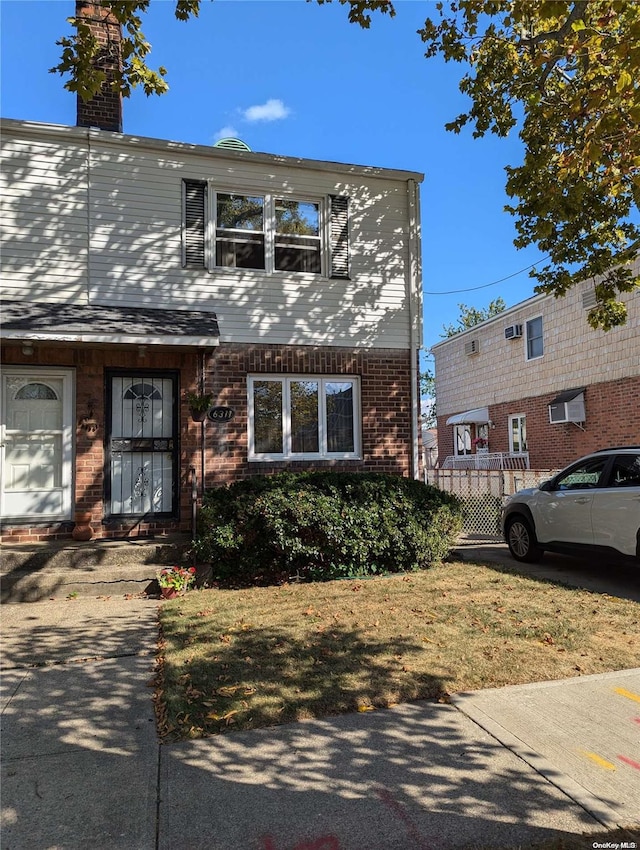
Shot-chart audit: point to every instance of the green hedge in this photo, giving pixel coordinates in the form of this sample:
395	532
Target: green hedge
324	525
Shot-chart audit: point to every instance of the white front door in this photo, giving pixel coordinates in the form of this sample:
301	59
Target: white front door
36	443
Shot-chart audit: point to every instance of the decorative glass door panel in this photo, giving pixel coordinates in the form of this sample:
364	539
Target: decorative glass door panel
142	444
36	443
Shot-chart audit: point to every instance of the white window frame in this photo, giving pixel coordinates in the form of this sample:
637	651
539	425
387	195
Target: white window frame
212	232
527	337
521	419
269	211
287	454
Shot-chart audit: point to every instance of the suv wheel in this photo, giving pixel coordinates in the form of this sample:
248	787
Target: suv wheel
521	540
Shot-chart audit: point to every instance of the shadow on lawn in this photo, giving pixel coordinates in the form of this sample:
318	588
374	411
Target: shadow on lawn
251	678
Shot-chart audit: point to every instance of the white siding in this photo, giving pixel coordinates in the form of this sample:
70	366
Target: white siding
134	211
44	220
136	253
574	354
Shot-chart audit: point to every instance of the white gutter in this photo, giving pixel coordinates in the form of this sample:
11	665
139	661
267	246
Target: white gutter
415	319
184	149
112	339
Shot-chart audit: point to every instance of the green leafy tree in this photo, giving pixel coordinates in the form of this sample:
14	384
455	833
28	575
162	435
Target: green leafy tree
566	73
81	56
469	317
428	395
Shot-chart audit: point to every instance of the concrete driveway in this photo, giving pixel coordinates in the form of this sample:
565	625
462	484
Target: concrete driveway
592	572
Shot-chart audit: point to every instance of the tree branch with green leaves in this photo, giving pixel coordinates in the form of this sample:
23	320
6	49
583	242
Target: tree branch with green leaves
566	73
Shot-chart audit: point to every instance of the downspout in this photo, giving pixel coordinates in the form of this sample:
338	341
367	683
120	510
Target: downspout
88	196
415	319
203	430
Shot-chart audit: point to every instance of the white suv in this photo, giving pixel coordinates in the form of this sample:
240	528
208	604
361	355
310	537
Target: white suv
594	504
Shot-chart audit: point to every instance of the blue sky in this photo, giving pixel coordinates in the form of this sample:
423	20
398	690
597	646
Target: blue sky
294	78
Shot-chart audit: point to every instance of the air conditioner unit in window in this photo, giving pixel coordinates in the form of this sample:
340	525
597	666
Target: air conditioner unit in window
513	332
563	409
471	347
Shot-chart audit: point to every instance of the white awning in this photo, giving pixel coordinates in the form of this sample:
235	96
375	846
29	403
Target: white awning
479	415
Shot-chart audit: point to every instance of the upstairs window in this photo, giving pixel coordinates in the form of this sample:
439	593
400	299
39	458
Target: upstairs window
298	236
264	232
535	344
239	226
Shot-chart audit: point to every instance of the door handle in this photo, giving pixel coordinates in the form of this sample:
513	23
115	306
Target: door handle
583	501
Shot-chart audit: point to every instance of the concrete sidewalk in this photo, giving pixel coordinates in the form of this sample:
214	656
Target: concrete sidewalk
82	767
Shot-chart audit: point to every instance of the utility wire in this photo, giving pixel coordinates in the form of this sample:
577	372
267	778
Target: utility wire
493	283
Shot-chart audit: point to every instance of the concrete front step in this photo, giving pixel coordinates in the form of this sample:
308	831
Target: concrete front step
33	571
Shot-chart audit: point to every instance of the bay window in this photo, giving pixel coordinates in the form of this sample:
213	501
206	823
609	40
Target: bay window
303	417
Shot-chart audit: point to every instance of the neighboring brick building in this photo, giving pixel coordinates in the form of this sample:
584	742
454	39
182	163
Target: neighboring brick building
537	385
136	270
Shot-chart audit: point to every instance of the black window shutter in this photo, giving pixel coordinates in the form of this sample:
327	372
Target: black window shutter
195	196
339	236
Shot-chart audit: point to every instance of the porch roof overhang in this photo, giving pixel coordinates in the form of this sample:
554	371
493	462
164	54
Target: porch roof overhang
479	416
92	323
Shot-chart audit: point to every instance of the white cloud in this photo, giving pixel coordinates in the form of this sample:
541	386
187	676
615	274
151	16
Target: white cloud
226	133
272	110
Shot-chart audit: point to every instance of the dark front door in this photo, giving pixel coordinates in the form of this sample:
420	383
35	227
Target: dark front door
142	444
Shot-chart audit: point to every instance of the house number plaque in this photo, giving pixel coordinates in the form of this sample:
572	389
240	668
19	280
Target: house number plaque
221	414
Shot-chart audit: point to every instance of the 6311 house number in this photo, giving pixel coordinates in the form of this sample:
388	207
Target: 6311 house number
221	414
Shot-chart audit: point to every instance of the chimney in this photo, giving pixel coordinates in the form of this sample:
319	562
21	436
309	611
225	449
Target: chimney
105	109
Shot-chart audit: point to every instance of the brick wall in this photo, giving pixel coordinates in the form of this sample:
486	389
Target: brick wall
105	109
90	365
385	384
385	397
612	419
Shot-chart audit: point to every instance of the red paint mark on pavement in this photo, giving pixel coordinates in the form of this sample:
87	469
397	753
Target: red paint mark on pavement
636	719
398	809
629	761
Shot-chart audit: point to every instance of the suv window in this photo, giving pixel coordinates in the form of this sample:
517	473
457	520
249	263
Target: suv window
583	476
626	471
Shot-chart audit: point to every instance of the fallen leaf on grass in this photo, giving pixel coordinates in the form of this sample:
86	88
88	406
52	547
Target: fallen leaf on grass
231	690
226	717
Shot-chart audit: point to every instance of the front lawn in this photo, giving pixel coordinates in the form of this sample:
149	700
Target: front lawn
241	659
